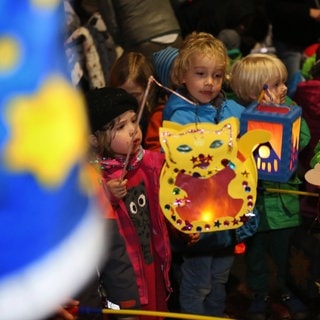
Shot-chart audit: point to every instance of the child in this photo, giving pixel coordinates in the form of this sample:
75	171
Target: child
136	272
162	62
307	96
198	74
279	212
131	72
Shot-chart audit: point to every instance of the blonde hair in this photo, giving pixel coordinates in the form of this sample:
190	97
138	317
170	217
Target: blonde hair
201	43
249	75
136	67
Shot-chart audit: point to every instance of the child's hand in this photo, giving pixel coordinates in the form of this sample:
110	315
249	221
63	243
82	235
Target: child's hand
117	187
68	312
270	97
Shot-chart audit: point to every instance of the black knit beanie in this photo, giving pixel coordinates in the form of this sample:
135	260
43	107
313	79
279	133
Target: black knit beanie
105	104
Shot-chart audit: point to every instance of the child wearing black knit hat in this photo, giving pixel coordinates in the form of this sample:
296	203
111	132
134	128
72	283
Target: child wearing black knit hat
136	273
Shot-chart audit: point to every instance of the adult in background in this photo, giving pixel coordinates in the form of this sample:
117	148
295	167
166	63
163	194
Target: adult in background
247	17
145	26
295	26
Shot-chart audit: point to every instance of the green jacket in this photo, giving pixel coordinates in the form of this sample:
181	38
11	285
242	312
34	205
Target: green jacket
281	210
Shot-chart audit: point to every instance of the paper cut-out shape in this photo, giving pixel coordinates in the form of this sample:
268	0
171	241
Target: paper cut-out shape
209	180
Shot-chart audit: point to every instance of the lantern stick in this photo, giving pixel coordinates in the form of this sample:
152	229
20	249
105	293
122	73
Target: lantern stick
261	95
263	92
172	91
302	193
143	103
146	93
89	310
160	314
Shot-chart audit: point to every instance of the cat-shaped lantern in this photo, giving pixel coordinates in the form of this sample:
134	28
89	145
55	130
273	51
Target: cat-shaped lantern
209	180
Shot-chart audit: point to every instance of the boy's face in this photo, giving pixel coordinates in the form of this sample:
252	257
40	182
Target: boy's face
124	132
277	92
204	78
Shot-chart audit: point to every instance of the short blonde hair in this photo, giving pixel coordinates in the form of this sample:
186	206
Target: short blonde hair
249	75
199	43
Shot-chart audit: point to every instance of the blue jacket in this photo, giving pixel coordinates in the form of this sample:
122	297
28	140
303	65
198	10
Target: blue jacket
181	111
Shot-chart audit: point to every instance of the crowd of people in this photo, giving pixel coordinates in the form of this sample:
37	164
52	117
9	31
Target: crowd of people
180	64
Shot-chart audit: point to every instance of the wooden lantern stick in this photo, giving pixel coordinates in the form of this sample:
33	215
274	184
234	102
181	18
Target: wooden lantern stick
141	108
265	91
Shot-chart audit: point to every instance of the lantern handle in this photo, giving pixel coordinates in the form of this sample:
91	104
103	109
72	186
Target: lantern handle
301	193
265	91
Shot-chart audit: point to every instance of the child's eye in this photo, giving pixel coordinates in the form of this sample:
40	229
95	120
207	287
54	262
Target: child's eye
200	73
134	120
120	126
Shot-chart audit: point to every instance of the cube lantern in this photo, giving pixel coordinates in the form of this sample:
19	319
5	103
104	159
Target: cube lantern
277	159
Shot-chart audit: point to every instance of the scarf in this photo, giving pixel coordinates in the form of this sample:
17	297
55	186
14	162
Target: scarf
111	165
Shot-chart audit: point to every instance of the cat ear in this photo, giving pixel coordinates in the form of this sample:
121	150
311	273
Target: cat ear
234	124
172	125
168	128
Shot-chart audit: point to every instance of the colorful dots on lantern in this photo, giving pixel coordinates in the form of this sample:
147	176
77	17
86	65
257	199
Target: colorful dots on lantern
246	186
228	163
196	175
250	201
179	202
176	191
10	51
187	227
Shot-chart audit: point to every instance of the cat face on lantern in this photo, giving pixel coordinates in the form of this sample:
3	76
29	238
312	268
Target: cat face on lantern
200	150
209	179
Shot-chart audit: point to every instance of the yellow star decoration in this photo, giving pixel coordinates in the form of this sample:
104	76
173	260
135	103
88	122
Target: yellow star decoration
9	52
48	131
45	3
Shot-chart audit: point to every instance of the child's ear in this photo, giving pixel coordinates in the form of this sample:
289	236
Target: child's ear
93	140
253	97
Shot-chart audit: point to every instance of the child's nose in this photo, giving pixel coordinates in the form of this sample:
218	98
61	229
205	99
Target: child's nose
209	80
132	132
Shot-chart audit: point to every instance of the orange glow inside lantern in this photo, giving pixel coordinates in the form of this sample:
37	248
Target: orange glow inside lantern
276	159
